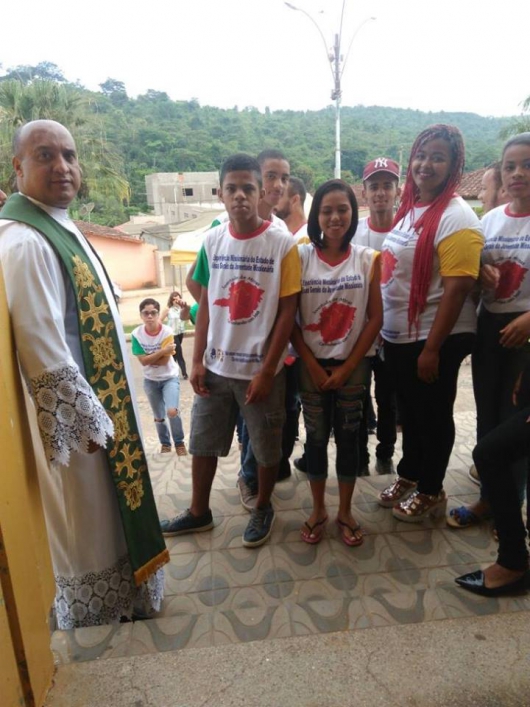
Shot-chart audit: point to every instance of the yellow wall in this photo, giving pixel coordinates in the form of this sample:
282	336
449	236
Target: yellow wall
27	587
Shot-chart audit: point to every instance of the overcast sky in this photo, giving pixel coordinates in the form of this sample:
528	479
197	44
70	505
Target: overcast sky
452	55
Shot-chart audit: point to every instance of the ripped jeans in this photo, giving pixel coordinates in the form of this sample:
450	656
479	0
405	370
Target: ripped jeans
338	410
163	396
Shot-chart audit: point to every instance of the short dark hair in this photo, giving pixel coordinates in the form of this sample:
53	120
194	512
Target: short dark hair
149	300
296	186
520	139
313	228
241	163
265	155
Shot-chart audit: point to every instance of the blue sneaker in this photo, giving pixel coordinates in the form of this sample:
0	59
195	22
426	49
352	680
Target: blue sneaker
186	522
259	526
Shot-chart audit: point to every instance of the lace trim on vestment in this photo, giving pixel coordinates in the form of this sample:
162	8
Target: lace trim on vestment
68	413
98	598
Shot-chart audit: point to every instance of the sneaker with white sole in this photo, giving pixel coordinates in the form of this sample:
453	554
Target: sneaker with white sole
186	522
259	526
247	495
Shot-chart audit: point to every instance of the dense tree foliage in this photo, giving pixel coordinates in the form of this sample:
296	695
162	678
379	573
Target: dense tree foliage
121	139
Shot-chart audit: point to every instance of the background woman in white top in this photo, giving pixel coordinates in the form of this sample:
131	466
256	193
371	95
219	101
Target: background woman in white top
339	317
430	261
502	350
176	312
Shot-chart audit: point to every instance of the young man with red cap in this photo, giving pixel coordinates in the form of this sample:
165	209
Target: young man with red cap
380	192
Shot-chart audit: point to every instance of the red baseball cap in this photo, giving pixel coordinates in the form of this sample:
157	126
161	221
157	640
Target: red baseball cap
381	164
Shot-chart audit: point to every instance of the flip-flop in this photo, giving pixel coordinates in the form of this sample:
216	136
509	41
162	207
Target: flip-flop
463	517
318	535
351	541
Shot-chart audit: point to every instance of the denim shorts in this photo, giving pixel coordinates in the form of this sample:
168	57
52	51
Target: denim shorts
213	419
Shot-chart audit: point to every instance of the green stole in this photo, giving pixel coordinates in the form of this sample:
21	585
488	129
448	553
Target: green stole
105	373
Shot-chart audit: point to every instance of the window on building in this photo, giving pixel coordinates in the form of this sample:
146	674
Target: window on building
214	192
187	192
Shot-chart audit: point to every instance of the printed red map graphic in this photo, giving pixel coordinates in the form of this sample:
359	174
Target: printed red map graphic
335	321
512	276
388	265
242	301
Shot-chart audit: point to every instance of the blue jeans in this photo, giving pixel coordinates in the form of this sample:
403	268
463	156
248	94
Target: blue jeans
163	396
338	410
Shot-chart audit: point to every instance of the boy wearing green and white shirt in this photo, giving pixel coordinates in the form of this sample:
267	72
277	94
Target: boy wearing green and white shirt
249	273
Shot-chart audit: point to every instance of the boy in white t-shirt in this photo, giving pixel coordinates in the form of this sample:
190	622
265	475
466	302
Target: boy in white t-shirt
380	192
152	343
249	272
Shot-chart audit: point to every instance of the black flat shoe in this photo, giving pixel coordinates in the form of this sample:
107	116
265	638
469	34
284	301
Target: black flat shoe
475	582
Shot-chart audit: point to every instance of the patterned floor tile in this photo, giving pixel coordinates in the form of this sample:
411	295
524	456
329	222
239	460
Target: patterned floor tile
224	598
422	548
219	592
188	573
407	607
475	544
374	555
242	566
91	643
250	624
171	633
303	561
228	532
321	616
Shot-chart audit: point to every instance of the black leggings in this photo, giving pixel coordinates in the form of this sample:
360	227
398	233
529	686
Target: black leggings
426	409
178	355
493	457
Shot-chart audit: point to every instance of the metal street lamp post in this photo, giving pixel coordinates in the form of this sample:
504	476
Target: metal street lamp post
337	66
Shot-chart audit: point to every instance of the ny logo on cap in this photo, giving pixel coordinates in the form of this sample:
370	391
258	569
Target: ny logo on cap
381	162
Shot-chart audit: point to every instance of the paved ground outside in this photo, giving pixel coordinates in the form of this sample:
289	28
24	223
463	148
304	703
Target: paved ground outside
308	626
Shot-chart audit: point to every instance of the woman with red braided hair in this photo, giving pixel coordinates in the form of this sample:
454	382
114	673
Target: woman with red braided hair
430	262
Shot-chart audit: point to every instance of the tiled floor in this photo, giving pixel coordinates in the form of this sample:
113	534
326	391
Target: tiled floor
218	592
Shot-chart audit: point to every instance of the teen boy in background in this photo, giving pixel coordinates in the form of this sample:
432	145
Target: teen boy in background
380	192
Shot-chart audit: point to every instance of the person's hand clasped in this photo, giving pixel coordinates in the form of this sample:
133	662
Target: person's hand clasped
428	362
490	277
259	388
516	333
336	378
198	380
319	375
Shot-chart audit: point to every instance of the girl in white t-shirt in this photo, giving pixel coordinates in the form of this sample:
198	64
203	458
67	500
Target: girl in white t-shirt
430	261
339	317
503	350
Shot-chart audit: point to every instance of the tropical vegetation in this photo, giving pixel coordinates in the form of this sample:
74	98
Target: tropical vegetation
121	139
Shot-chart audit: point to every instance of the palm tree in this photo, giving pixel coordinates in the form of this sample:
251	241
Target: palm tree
41	99
521	124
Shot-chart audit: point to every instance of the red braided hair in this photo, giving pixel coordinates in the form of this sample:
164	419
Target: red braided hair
427	225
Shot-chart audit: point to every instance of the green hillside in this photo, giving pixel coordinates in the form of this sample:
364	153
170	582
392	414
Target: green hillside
126	138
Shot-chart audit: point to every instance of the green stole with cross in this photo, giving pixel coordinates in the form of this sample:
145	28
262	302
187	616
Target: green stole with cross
105	373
